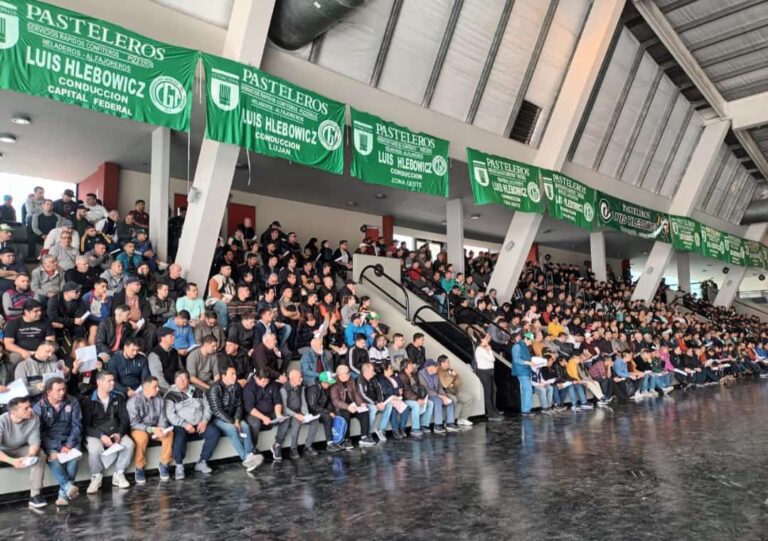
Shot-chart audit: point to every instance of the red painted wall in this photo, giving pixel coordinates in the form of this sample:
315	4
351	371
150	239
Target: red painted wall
104	183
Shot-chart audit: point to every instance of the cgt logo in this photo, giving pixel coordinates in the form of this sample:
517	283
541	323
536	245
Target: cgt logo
9	25
605	210
168	95
329	134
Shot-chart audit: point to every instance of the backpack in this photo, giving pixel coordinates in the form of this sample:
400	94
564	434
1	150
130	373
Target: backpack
339	429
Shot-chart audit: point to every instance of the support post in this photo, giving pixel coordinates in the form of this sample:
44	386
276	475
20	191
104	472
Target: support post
514	253
702	160
245	41
159	191
733	279
454	225
684	271
597	253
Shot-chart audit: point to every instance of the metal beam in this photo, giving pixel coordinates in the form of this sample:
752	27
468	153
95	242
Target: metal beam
658	134
736	32
724	188
314	50
386	41
753	150
732	7
437	67
715	179
731	55
617	108
501	28
532	63
639	124
673	151
750	112
744	70
677	5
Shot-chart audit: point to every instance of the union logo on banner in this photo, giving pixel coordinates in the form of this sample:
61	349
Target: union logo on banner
481	174
9	25
225	89
363	138
168	95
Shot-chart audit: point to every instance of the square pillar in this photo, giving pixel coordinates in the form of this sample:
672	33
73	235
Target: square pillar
454	225
684	271
159	191
597	255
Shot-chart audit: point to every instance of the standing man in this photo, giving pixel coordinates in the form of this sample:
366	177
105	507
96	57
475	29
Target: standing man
521	368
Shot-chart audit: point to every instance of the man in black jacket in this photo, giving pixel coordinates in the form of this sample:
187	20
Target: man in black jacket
225	397
319	403
264	408
65	312
416	350
106	423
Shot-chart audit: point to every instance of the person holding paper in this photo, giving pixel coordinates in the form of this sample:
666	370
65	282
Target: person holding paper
163	359
294	399
373	397
452	384
130	368
392	393
146	411
66	312
485	361
319	403
61	427
32	371
189	412
444	407
348	404
113	332
264	409
20	445
139	312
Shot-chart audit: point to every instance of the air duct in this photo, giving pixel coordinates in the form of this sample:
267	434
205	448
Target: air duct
757	212
298	22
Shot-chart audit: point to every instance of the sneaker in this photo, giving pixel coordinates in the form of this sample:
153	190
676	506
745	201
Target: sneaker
416	433
73	492
547	412
37	502
347	445
179	474
464	422
587	407
668	390
333	448
602	404
61	501
365	441
252	462
496	418
559	409
140	477
165	474
119	480
95	484
575	407
397	435
311	451
439	429
277	452
452	428
380	435
295	454
611	399
637	396
202	467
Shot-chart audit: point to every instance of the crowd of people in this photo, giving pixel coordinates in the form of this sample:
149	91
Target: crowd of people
106	350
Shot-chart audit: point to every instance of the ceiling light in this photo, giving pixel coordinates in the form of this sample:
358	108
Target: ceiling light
7	138
474	216
21	120
351	204
443	223
380	195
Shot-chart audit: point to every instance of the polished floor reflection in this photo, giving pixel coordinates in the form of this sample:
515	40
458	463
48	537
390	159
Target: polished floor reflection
689	466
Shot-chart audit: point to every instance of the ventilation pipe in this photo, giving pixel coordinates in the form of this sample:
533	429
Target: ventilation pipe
298	22
757	212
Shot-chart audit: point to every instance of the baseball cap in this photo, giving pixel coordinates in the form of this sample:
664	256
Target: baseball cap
70	193
529	336
430	362
7	250
133	280
5	227
71	286
326	377
164	331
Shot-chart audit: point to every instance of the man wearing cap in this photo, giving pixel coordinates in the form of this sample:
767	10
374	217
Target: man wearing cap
144	248
7	212
65	207
10	268
164	359
52	239
319	403
6	241
65	312
23	335
521	369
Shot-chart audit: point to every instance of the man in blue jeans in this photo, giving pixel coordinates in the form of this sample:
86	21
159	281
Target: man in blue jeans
225	397
420	406
61	430
189	412
521	368
444	406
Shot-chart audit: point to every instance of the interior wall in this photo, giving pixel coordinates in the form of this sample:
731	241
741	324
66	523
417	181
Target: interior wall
575	258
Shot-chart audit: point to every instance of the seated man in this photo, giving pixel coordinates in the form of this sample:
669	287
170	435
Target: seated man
221	290
347	404
416	351
268	358
32	369
451	384
267	325
226	399
15	298
162	307
192	303
130	368
139	312
415	397
444	406
106	423
203	364
65	251
315	361
239	345
357	355
61	430
319	403
10	268
23	335
373	397
264	408
189	412
184	338
113	331
66	311
209	326
115	277
164	360
47	279
20	445
129	257
294	399
146	411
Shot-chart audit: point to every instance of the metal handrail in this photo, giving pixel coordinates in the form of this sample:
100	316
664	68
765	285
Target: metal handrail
378	271
452	324
425	296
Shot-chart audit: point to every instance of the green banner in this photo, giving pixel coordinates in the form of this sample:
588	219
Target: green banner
686	234
569	200
713	243
632	219
255	110
391	155
735	250
58	54
505	182
755	254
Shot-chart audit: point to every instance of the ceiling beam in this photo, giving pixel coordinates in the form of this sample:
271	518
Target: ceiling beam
437	67
749	112
386	42
753	150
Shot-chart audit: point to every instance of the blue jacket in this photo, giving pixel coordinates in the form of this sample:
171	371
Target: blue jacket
309	366
62	428
351	331
520	354
128	374
620	368
184	337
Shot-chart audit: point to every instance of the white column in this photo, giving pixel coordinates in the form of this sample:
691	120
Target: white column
684	271
561	128
597	253
733	279
454	226
696	174
245	41
159	191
